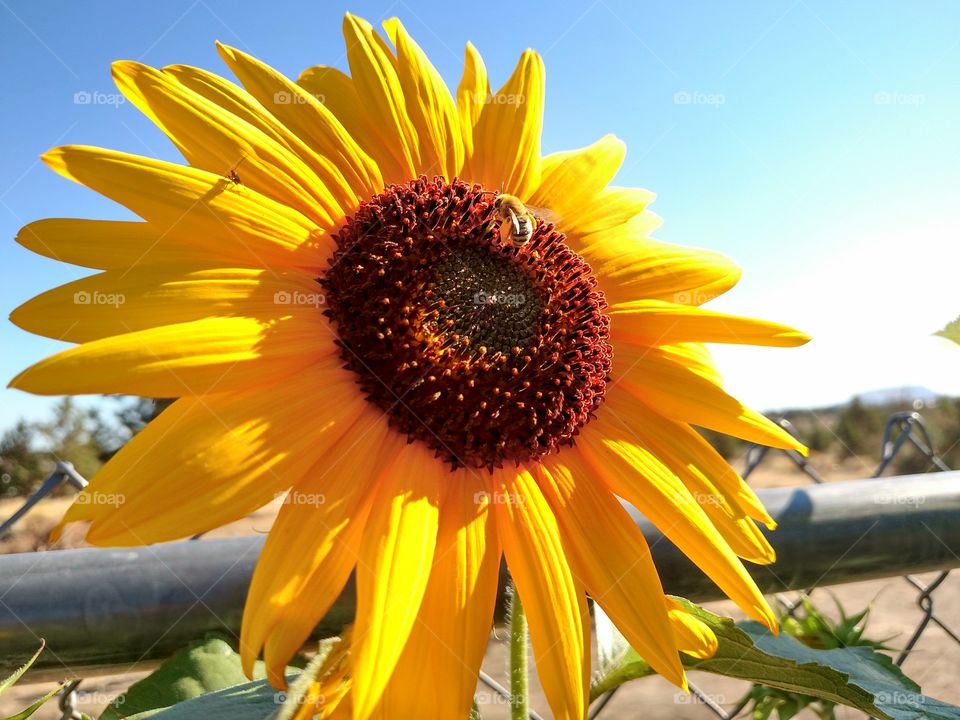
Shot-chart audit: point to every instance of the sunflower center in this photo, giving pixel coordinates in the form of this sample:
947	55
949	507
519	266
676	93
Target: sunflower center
484	300
487	351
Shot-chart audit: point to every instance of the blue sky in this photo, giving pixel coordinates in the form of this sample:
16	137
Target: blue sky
815	142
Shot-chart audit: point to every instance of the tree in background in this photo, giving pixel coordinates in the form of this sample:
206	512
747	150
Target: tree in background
21	467
857	428
29	451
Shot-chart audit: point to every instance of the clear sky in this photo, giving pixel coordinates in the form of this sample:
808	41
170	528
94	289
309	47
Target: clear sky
817	143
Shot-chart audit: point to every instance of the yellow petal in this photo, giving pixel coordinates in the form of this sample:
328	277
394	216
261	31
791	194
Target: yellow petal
232	99
206	461
726	514
239	103
214	354
308	117
193	206
337	92
429	106
696	357
378	86
313	545
452	630
573	178
106	244
218	141
656	322
693	637
678	442
664	380
552	597
393	569
506	138
472	94
631	265
609	555
611	208
120	301
636	475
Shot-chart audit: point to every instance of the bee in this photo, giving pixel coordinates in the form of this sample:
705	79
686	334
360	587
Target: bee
517	223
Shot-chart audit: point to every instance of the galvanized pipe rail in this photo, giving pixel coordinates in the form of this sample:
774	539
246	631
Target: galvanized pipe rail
100	608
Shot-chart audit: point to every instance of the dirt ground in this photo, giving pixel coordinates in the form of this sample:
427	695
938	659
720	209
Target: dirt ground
934	664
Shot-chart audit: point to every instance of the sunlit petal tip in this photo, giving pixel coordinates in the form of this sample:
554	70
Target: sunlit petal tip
24	381
54	157
392	26
122	68
796	337
693	637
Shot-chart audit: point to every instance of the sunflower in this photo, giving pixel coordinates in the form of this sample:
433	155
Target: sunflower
329	289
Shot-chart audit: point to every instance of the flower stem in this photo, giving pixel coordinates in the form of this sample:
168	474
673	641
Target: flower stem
519	674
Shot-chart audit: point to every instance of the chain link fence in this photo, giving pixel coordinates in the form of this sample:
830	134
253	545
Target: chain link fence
904	431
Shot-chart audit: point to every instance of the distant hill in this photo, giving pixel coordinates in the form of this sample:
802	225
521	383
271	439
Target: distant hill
901	395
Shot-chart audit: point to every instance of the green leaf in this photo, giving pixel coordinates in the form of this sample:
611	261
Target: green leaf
855	676
254	700
951	331
257	700
205	666
17	674
27	712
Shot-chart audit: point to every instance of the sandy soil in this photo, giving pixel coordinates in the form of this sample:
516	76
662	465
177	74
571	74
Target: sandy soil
935	663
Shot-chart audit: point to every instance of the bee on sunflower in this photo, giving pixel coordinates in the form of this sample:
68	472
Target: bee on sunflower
328	289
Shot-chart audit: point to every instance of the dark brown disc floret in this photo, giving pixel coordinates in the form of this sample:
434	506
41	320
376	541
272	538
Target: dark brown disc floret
486	351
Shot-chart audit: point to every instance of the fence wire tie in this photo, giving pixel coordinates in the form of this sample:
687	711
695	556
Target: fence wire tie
68	701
